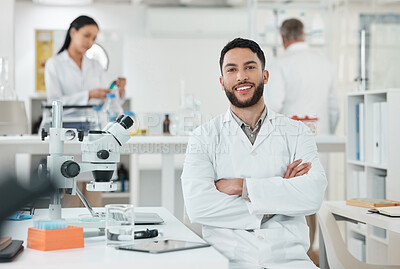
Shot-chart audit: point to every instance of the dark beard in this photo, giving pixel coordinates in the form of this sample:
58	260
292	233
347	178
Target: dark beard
256	97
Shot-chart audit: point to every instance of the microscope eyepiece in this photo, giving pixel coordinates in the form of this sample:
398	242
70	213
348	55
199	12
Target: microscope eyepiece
119	118
126	122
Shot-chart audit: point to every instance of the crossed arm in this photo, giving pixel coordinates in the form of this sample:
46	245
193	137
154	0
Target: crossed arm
235	186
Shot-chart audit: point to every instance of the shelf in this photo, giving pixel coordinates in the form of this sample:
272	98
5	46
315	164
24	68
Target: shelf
376	165
115	195
371	92
359	93
359	163
357	230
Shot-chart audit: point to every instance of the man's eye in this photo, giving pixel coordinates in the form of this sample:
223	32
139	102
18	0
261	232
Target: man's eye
230	70
251	67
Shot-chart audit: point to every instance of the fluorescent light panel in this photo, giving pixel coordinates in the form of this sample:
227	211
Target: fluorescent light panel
63	2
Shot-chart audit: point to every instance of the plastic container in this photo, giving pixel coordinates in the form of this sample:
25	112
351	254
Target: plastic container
71	237
112	108
310	122
100	120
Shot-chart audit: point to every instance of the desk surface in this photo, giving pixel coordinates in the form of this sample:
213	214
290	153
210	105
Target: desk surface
361	214
33	144
97	255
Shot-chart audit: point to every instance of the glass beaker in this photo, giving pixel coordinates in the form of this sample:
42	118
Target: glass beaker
120	224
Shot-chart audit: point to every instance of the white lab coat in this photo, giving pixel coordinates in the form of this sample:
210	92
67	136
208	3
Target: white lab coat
220	149
302	82
71	85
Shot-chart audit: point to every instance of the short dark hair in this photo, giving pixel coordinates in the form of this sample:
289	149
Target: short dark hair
242	43
292	29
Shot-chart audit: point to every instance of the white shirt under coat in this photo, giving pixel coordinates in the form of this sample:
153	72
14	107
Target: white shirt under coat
220	149
302	82
66	82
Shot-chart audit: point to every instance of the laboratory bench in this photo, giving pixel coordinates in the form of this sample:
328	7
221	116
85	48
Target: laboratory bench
96	254
16	150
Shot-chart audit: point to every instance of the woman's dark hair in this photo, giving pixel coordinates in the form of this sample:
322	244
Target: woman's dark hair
77	24
242	43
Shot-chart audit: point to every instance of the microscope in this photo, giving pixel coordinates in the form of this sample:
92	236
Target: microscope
100	155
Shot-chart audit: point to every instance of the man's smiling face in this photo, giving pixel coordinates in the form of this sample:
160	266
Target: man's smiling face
243	77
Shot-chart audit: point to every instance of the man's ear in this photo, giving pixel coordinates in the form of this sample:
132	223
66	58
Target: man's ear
221	81
265	76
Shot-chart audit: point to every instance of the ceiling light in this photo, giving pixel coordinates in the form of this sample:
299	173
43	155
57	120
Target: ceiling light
63	2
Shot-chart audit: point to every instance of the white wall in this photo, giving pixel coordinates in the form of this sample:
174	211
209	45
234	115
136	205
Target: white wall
153	66
7	35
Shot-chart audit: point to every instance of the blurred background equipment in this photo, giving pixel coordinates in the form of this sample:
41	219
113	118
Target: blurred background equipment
13	120
74	116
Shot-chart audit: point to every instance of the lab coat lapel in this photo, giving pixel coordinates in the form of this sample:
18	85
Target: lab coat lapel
233	129
70	61
85	65
266	129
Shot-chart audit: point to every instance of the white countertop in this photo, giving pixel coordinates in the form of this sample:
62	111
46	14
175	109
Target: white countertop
97	255
34	144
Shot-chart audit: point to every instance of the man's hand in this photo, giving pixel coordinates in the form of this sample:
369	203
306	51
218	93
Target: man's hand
232	186
98	93
296	170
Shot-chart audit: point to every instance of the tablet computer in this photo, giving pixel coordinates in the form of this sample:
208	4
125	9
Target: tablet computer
162	246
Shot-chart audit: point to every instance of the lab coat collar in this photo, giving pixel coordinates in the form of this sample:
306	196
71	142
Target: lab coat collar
301	45
266	128
270	116
64	55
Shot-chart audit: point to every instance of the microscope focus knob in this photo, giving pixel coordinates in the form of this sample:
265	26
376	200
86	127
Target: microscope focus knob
70	169
103	154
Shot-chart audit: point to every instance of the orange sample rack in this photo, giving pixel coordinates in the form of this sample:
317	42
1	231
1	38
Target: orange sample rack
71	237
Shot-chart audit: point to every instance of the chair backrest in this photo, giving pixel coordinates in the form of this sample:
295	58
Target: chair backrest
194	227
336	250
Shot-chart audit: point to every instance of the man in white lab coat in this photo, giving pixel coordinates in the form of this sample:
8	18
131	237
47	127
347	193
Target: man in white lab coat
243	179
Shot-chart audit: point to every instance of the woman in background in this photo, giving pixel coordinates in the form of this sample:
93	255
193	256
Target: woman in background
73	78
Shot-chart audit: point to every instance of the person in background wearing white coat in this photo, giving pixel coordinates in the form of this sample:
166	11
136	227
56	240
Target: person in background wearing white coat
251	175
303	83
73	78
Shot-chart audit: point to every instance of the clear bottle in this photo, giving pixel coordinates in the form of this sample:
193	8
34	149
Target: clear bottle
99	118
112	108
